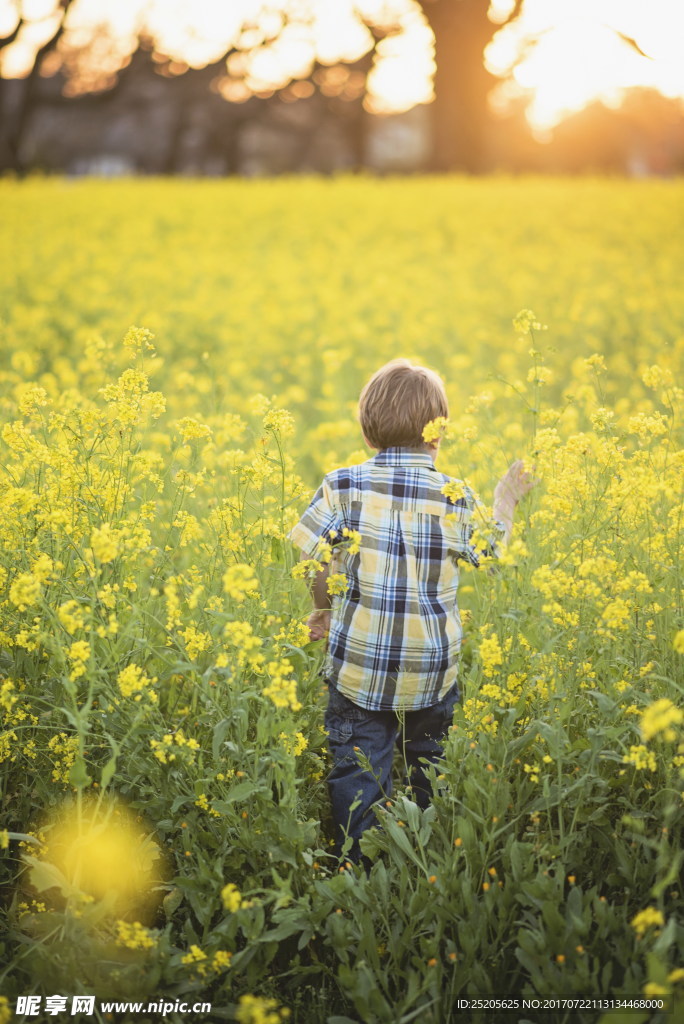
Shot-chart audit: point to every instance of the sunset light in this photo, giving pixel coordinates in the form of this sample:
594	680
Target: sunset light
573	54
557	57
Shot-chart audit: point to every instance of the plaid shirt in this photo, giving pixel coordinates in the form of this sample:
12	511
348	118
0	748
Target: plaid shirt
395	634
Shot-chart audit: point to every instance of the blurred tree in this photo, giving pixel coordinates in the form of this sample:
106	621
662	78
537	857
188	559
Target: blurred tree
15	110
92	61
463	123
461	117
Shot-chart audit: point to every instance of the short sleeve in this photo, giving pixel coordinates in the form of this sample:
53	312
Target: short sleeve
471	515
320	521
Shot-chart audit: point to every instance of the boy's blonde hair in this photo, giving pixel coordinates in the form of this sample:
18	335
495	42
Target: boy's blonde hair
397	402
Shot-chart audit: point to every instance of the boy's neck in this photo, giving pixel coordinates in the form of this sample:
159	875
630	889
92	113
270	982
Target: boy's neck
428	449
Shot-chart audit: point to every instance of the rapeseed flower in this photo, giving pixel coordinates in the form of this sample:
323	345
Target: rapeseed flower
646	919
658	718
239	582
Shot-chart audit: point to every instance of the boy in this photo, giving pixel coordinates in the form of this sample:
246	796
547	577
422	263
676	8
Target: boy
394	635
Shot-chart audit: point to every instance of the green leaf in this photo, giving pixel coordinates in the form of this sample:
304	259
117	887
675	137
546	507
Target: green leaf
172	901
44	876
282	931
402	841
220	733
108	770
242	791
78	775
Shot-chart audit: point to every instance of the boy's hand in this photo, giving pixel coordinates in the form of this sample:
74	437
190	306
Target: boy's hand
514	484
319	623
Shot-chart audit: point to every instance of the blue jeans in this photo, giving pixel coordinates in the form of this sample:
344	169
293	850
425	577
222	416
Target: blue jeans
352	730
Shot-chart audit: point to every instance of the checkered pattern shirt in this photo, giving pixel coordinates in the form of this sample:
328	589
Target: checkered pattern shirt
395	634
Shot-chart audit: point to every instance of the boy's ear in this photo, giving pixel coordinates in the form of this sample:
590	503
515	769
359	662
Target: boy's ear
367	443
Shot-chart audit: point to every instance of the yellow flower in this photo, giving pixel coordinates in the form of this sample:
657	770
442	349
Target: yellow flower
33	398
138	340
105	543
456	490
658	718
191	430
282	689
258	1010
491	655
354	538
134	935
132	680
642	758
221	960
239	581
539	375
196	958
280	421
231	897
655	377
435	429
652	990
337	583
25	591
295	745
63	751
70	614
646	919
78	654
526	321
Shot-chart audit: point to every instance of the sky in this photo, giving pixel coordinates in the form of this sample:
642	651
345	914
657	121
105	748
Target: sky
571	53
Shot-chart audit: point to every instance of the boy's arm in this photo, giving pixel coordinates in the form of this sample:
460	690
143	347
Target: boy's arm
510	489
503	510
319	587
319	620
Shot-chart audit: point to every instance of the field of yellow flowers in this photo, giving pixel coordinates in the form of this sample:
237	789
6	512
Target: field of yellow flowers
165	830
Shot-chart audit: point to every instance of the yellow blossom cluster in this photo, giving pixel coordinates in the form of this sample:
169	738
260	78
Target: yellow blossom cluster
134	935
240	582
104	542
647	919
205	964
260	1010
240	636
282	686
659	718
62	751
641	757
231	898
202	802
337	584
294	745
173	746
133	682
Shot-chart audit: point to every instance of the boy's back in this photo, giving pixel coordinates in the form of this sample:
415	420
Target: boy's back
395	633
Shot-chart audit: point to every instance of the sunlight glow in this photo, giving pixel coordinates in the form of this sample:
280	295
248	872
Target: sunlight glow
572	54
559	56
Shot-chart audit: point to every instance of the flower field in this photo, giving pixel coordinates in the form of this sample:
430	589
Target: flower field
164	824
